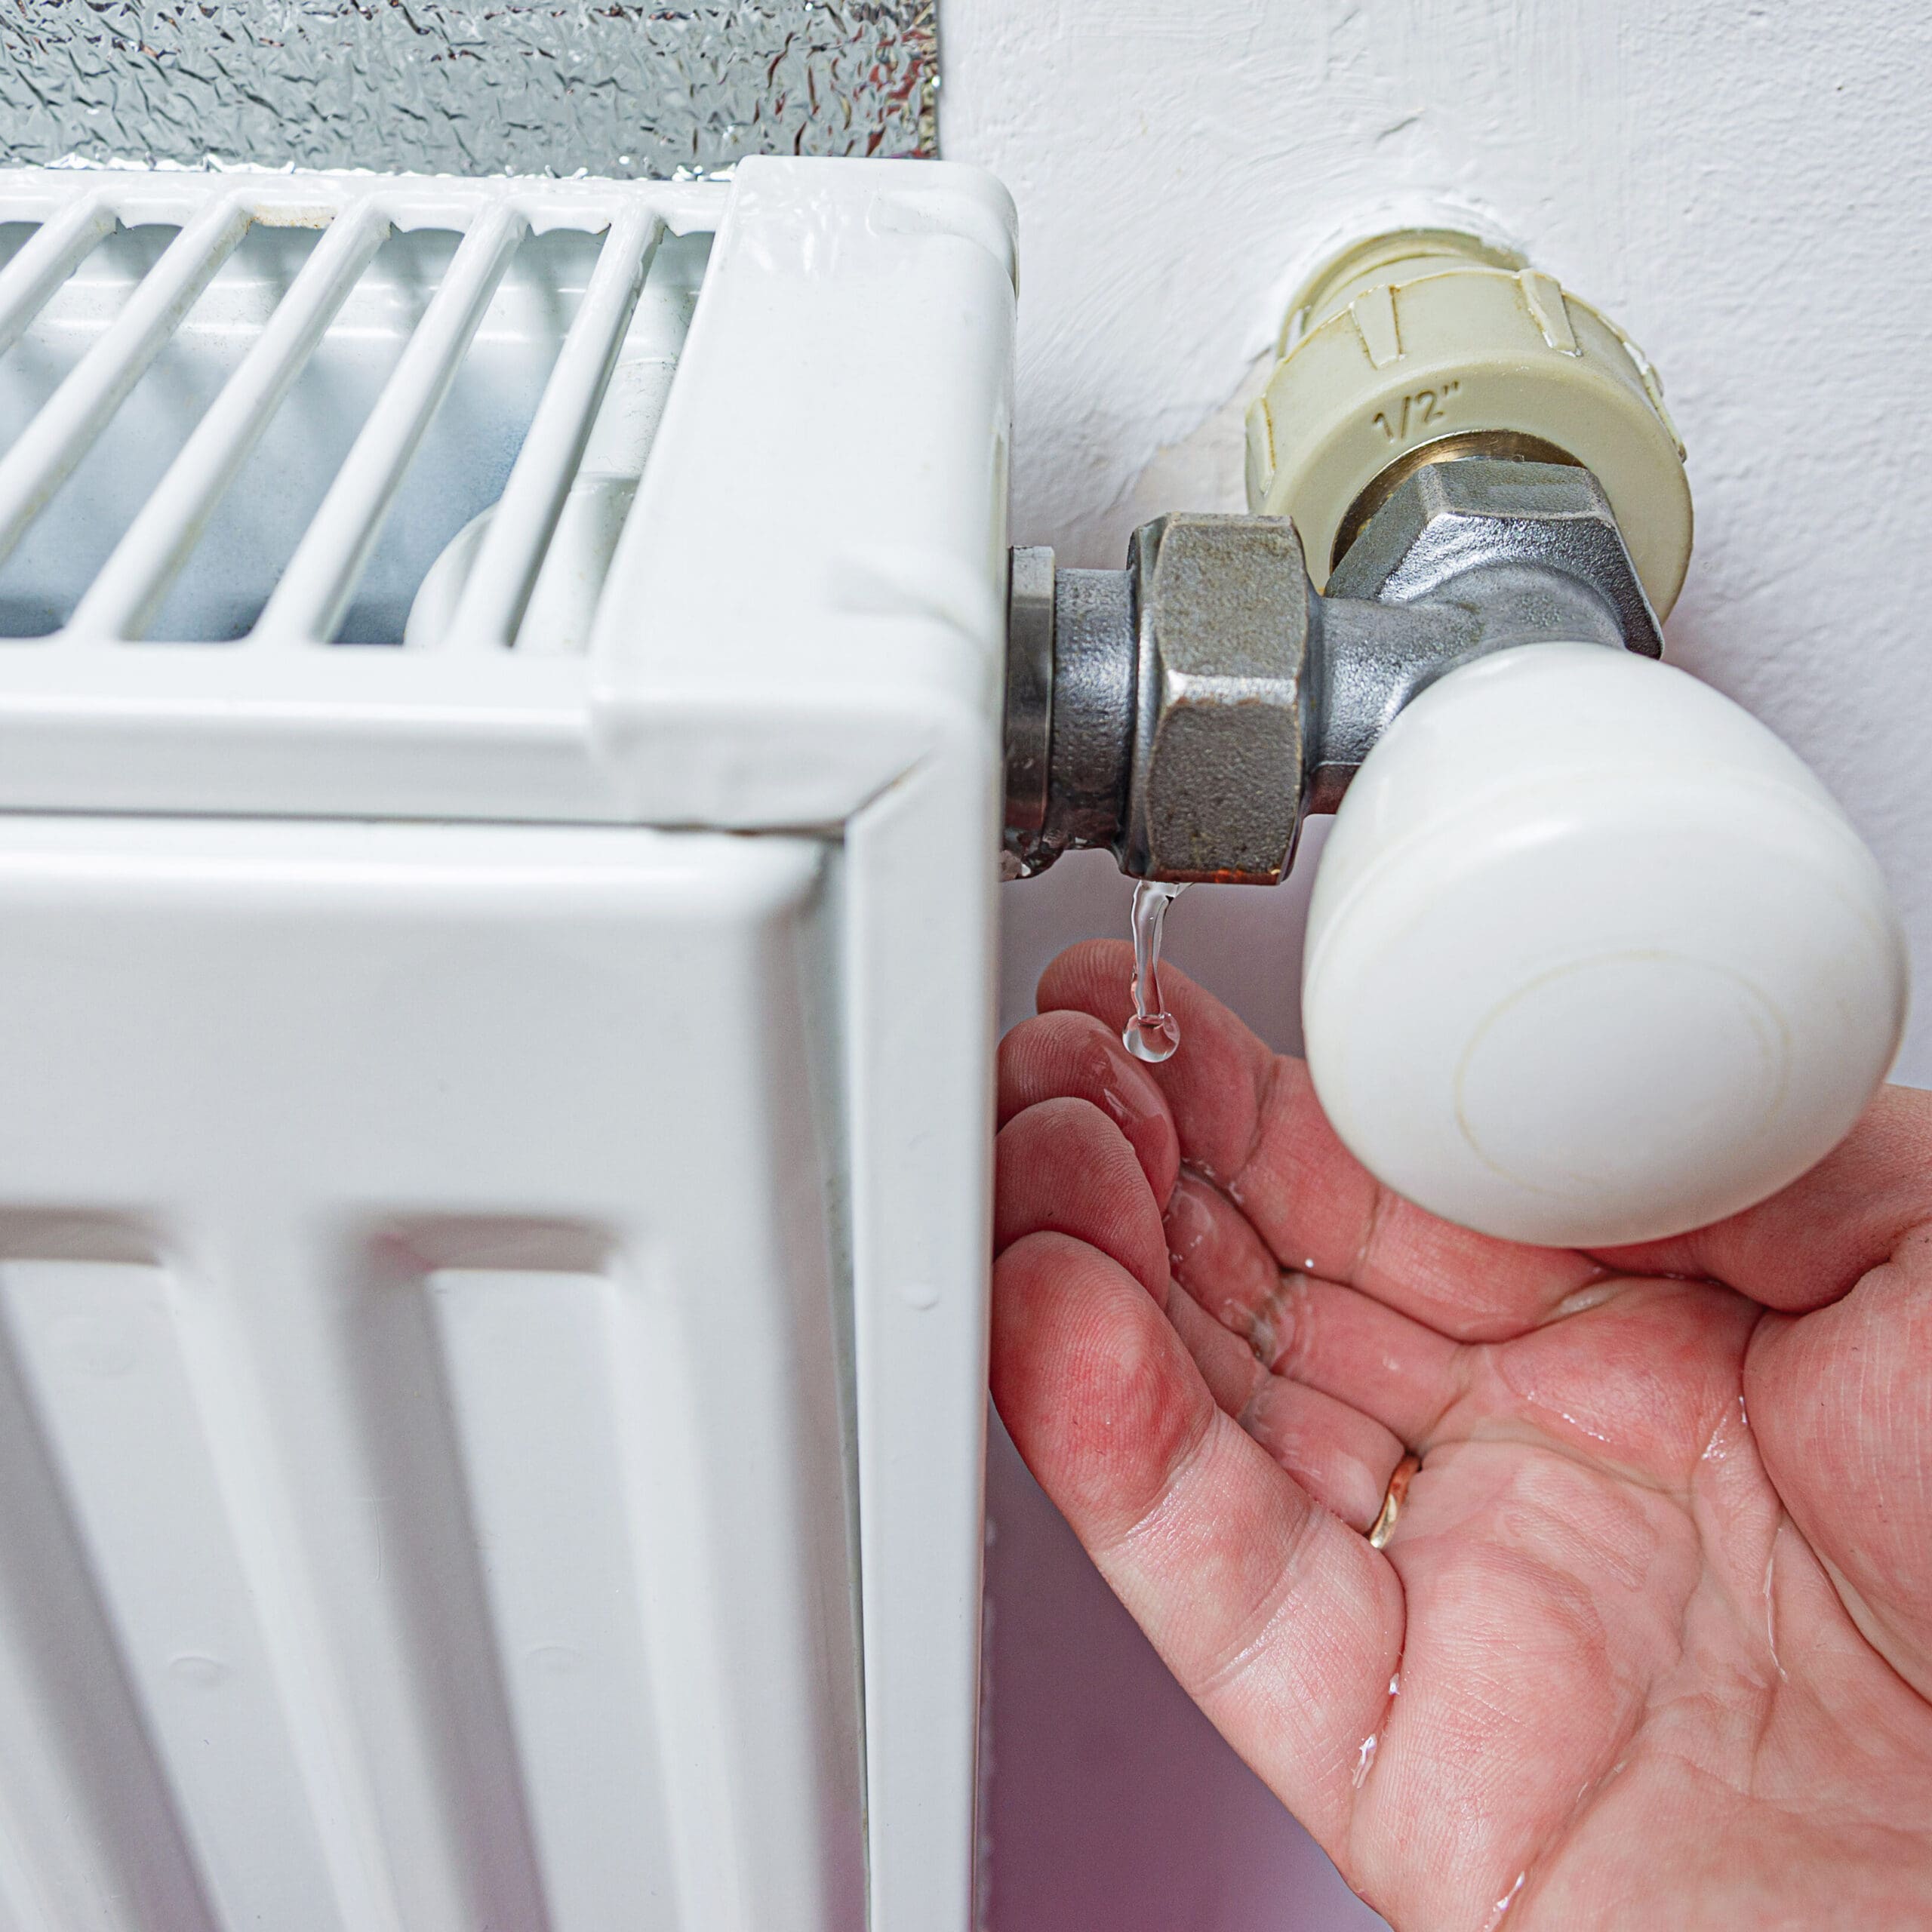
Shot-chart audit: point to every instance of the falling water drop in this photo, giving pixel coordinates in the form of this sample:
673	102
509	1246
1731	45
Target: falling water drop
1153	1033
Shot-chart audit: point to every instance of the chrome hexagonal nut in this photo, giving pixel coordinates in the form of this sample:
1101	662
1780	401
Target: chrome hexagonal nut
1445	520
1226	628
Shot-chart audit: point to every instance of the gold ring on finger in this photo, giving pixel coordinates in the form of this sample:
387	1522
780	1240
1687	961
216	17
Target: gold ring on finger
1392	1501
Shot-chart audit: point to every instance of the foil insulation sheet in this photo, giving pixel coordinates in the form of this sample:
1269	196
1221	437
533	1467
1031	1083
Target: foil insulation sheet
522	87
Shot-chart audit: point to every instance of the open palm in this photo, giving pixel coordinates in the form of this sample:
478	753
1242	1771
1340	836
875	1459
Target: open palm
1650	1643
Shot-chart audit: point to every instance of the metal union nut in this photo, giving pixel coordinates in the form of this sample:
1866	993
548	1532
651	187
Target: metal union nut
1532	528
1226	628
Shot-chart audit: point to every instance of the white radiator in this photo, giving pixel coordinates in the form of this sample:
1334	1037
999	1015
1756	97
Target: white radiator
493	1126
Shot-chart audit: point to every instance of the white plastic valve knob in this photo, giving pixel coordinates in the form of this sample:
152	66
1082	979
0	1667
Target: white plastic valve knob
1592	957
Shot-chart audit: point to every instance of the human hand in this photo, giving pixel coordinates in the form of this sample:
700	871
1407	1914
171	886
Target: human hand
1650	1641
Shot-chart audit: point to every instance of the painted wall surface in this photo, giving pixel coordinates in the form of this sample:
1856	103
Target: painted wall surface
1742	186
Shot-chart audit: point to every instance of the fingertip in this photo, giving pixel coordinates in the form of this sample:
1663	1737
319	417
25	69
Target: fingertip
1095	976
1063	1167
1212	1086
1073	1053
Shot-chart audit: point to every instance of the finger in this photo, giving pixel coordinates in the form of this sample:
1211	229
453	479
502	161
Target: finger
1278	1619
1841	1404
1211	1086
1342	1457
1062	1166
1639	1376
1249	1120
1347	1345
1074	1054
1339	1456
1226	1363
1809	1243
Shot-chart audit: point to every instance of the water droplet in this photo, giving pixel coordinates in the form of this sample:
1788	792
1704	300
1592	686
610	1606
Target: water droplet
1153	1033
1154	1038
1503	1904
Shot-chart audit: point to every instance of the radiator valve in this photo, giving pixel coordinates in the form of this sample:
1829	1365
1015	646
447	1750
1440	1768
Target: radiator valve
1592	957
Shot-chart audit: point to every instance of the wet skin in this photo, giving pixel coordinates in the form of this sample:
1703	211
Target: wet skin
1651	1642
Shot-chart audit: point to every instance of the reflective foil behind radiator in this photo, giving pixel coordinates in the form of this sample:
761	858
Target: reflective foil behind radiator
530	87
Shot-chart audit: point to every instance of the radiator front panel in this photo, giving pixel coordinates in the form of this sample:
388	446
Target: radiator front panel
422	1407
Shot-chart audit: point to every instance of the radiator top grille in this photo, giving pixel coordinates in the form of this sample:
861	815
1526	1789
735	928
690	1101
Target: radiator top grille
252	411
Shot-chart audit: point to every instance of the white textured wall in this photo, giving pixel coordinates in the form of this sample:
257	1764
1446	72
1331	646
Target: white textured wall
1746	187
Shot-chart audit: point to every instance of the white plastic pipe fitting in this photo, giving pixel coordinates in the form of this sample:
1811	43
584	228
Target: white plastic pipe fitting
1416	341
